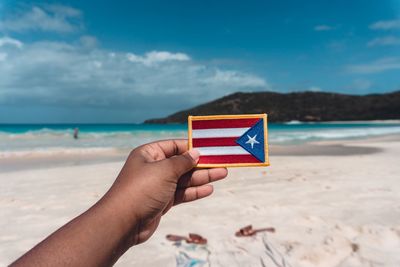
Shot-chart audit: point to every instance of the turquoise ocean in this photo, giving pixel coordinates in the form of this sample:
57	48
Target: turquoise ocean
28	138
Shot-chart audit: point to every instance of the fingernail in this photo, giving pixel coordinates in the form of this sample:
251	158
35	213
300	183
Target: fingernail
194	154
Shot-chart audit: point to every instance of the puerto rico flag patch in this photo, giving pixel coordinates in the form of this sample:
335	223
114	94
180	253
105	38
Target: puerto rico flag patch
229	140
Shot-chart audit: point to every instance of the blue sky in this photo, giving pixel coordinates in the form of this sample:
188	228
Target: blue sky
126	61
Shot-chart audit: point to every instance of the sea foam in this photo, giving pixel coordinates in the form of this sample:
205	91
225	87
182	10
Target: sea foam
48	140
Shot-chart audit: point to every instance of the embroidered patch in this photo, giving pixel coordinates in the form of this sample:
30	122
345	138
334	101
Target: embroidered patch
229	140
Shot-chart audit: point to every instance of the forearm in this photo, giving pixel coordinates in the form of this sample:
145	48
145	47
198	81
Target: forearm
154	177
97	237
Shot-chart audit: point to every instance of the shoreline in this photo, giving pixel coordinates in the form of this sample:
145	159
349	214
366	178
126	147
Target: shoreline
34	160
344	122
139	123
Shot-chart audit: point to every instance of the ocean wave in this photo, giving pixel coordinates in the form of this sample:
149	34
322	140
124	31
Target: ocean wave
51	151
48	141
68	133
293	122
332	134
54	139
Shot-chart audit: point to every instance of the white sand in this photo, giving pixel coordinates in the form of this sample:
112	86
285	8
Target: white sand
327	211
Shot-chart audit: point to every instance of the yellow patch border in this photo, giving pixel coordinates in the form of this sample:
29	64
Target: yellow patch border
219	117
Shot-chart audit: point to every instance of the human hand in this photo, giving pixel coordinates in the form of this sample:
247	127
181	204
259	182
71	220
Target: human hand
157	176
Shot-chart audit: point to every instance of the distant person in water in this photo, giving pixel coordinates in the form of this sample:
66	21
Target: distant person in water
155	177
76	133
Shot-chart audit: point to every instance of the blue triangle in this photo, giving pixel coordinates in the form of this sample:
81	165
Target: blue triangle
254	135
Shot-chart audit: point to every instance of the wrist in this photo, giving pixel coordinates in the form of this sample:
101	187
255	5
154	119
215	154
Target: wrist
121	213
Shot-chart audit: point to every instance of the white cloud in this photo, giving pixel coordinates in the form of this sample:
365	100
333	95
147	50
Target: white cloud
68	75
385	25
89	41
79	76
63	11
154	57
320	28
361	84
384	41
380	65
10	41
49	18
222	78
314	89
3	56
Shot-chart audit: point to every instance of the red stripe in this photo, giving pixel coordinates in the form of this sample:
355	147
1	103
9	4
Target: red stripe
224	123
221	159
221	141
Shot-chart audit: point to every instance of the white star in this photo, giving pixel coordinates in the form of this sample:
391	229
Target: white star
252	141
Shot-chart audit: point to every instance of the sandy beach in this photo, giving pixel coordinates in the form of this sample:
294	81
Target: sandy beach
331	203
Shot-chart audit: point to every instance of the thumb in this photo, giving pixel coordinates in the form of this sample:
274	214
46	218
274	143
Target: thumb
183	163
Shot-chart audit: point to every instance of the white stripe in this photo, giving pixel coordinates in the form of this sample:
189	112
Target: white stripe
225	132
222	150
